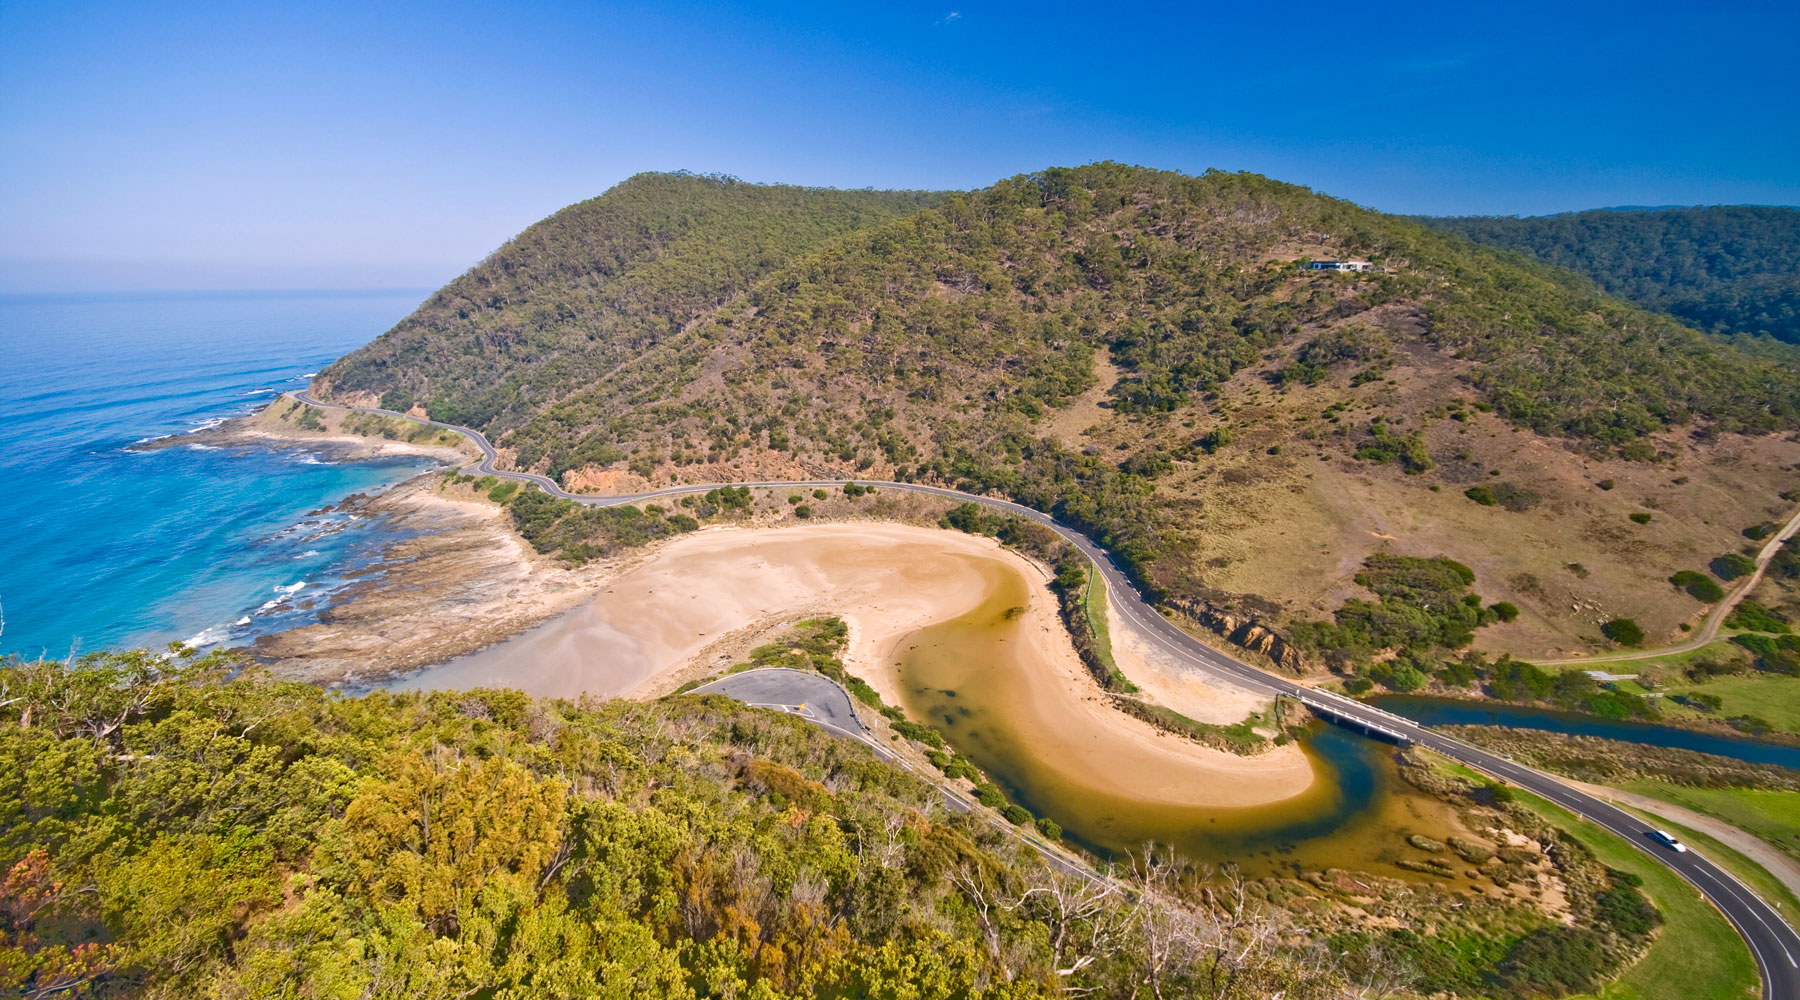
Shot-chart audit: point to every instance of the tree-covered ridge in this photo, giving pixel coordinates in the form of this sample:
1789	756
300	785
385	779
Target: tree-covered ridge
1723	269
951	331
564	301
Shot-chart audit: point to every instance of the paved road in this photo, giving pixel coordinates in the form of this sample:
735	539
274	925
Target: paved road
1785	868
1773	942
813	697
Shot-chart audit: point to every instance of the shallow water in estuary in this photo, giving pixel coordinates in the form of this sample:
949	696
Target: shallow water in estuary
969	679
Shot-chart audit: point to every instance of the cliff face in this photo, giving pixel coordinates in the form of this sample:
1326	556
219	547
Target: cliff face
1241	629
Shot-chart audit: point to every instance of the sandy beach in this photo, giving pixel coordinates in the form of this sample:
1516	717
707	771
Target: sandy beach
694	605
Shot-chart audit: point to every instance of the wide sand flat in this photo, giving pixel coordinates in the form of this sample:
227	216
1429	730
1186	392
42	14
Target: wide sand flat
643	632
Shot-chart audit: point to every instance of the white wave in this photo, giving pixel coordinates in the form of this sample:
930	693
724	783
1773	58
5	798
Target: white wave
309	460
255	392
270	605
209	637
309	553
241	622
310	375
205	425
292	588
204	447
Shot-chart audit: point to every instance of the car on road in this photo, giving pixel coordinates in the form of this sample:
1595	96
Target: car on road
1668	840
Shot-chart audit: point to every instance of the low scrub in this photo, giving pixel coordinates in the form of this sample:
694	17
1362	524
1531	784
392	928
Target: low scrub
1733	565
1699	586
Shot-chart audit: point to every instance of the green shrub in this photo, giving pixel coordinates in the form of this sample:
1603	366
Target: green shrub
1623	631
1732	565
1641	516
1753	617
1506	611
1016	814
919	734
1481	495
1049	828
803	511
499	494
988	794
1698	585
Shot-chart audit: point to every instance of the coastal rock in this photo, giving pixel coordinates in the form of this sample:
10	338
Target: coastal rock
1246	631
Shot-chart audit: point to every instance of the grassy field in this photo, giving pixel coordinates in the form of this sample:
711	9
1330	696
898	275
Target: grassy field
1766	696
1667	667
1770	888
1698	955
1773	816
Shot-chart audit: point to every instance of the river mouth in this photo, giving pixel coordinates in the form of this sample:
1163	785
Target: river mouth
970	678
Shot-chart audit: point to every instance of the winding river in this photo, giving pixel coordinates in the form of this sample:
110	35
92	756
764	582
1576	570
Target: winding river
968	678
1459	712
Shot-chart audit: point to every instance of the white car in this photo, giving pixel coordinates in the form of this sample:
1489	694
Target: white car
1668	840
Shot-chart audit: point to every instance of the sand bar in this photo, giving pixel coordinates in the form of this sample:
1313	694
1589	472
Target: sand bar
646	629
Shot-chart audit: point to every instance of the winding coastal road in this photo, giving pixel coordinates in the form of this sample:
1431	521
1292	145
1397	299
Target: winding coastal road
1773	942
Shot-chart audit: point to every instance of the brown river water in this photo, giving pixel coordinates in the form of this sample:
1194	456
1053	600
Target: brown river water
969	678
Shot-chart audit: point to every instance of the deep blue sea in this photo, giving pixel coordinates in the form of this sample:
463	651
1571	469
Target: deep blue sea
105	547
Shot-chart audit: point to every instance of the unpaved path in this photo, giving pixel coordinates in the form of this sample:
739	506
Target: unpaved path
1709	631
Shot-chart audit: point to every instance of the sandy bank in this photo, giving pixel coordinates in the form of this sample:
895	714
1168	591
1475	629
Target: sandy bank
675	614
642	630
1165	682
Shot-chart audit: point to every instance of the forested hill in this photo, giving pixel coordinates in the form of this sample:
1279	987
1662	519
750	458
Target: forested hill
1728	269
1130	348
566	300
636	323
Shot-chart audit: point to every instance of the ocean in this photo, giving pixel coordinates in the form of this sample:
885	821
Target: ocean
105	547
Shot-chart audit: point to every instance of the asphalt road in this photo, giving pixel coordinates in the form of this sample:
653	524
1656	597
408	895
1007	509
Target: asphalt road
813	697
1772	941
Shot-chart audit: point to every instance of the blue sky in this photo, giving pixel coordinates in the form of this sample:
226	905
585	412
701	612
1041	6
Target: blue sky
340	145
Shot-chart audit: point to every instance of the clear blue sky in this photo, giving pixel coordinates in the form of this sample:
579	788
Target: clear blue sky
169	145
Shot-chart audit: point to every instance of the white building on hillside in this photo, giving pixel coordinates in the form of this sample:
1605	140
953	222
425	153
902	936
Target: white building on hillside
1338	265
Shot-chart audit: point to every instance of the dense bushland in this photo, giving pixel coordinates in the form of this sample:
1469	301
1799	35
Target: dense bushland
1724	269
167	830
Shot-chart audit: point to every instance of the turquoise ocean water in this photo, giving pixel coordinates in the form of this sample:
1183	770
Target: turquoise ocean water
102	546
